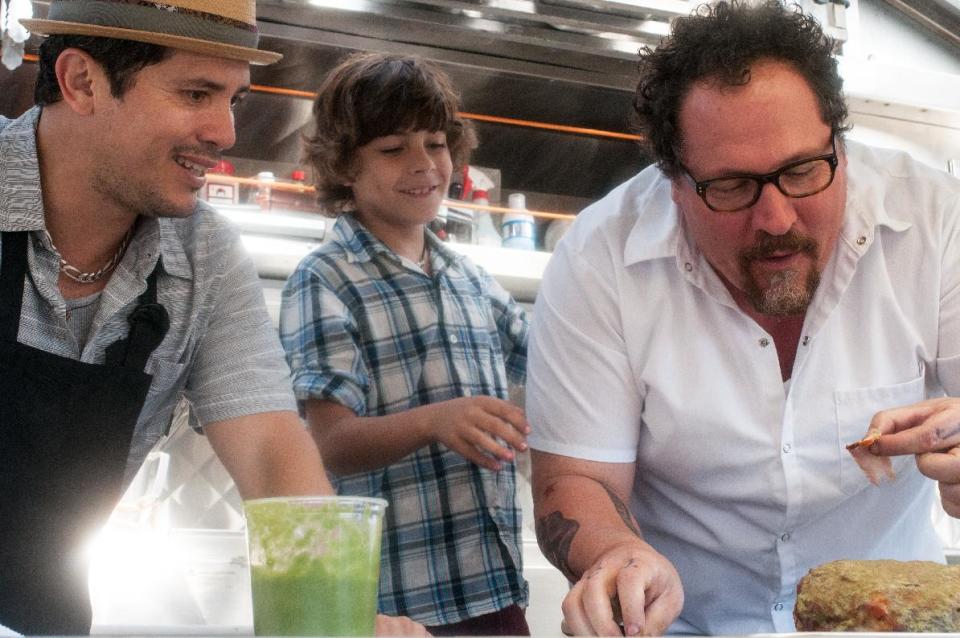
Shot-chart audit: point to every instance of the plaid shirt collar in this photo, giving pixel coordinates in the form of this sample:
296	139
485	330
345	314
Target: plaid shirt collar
362	245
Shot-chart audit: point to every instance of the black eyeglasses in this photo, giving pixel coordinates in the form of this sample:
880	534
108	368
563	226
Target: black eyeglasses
797	179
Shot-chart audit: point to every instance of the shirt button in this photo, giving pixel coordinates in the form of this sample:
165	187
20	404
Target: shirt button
764	342
861	240
778	607
453	339
786	448
785	537
806	340
688	266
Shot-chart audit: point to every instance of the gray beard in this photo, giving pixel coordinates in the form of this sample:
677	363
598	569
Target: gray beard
785	295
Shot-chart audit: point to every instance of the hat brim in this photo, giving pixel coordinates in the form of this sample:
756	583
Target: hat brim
204	47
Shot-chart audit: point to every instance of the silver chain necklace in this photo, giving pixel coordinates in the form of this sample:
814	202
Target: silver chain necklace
74	273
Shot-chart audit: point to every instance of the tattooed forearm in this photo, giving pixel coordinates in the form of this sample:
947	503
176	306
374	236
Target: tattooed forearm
623	511
555	536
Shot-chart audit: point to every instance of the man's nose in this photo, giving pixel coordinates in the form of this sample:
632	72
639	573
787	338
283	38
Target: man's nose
773	212
219	128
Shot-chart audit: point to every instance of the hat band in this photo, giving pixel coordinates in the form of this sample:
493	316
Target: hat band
156	18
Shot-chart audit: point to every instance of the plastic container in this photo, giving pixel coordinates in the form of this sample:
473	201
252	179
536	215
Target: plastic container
264	191
486	233
314	564
518	227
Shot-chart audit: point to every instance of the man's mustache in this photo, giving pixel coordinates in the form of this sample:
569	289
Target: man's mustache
208	150
768	245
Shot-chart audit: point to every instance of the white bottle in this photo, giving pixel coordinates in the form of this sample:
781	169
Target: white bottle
518	227
486	233
264	196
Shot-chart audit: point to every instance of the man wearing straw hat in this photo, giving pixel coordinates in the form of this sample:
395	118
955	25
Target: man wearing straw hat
120	293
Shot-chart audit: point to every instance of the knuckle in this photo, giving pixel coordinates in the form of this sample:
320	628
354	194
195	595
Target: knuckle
930	438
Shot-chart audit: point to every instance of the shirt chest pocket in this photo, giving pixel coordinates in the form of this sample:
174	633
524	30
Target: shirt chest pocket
855	409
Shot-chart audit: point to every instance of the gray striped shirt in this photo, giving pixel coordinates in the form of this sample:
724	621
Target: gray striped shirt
221	353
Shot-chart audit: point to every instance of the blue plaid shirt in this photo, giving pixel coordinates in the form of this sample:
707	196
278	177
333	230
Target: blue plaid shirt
368	329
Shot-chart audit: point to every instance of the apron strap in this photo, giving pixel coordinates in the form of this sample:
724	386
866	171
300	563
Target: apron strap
149	323
12	271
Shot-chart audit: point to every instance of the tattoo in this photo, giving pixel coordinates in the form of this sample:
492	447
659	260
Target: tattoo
623	511
944	433
555	536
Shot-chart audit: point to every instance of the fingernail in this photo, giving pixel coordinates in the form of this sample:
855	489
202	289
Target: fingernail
633	629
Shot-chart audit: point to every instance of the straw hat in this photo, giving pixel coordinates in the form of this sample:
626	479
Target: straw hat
219	28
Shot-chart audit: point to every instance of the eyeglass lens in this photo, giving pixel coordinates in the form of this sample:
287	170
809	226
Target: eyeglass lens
801	180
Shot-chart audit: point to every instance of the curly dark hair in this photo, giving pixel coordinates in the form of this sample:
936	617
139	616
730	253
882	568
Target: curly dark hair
371	95
121	61
720	42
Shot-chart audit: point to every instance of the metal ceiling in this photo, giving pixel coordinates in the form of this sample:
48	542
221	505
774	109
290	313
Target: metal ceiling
940	17
597	40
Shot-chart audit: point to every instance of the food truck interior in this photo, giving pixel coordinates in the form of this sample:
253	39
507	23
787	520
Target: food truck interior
548	84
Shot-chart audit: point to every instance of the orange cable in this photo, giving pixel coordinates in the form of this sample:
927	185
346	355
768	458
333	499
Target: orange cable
455	203
295	187
260	88
553	127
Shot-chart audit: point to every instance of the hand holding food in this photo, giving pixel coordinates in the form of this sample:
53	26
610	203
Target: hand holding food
875	467
930	430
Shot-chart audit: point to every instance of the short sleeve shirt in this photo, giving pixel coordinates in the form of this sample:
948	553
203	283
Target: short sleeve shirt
370	330
744	483
221	352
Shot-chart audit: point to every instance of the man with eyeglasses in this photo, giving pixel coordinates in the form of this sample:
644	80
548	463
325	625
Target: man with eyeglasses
710	336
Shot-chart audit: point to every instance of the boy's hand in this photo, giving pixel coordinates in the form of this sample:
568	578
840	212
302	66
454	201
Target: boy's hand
485	430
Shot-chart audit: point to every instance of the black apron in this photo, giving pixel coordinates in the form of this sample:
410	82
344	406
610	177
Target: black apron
65	432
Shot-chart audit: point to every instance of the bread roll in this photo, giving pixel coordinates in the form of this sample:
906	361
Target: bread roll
879	595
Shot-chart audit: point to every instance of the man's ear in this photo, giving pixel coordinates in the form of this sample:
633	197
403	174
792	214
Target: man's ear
81	79
675	190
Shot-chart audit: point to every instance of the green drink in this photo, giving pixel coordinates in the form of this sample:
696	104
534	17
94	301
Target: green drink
314	565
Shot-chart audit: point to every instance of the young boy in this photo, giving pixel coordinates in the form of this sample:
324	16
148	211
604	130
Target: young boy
401	350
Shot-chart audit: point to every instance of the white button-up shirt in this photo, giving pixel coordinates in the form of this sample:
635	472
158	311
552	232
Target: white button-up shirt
639	354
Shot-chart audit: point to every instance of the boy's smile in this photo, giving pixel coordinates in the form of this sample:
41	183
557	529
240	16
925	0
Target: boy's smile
401	179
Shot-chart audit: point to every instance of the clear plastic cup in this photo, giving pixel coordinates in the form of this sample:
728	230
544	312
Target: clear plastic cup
314	564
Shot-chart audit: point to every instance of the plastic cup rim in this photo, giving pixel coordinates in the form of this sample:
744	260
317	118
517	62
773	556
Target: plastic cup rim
367	500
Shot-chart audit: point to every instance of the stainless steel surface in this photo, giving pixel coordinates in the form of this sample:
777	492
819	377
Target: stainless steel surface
940	17
252	219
